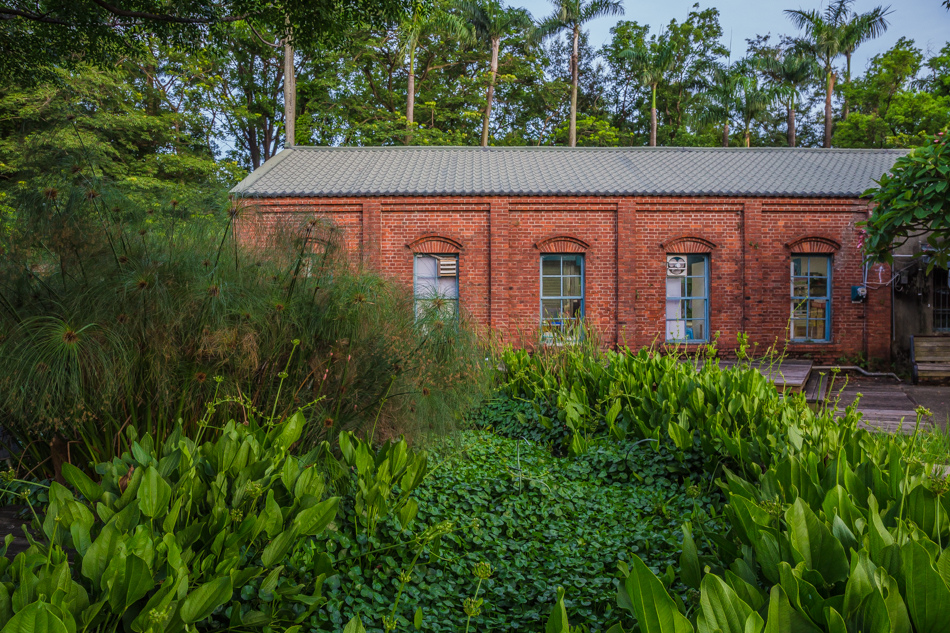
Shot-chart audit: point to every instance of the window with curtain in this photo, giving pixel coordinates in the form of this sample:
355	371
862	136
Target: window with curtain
687	298
562	296
436	286
811	298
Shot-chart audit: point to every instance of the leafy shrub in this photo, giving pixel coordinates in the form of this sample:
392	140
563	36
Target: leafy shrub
170	532
114	317
521	419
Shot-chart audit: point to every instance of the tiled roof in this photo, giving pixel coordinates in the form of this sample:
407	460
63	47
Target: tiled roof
560	171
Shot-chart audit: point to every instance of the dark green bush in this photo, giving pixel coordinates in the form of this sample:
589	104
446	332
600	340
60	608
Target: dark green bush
113	317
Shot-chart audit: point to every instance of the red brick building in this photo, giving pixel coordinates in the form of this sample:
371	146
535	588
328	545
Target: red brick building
646	244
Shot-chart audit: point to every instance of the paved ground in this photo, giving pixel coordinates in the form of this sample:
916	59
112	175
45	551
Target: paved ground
891	406
10	523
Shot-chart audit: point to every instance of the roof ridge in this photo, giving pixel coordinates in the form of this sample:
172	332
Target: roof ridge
634	148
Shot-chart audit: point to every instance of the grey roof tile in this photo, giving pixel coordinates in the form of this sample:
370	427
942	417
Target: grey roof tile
560	171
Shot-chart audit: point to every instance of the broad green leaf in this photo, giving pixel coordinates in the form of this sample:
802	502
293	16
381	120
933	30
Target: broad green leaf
312	521
355	625
722	610
557	620
643	594
927	595
36	617
815	544
782	618
102	550
154	493
132	583
201	603
293	426
278	548
690	569
89	489
417	619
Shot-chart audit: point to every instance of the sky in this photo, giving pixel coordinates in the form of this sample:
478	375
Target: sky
927	22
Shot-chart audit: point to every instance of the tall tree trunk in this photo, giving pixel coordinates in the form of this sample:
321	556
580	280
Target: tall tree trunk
411	94
791	126
290	93
748	136
491	89
572	131
847	81
829	91
653	117
725	134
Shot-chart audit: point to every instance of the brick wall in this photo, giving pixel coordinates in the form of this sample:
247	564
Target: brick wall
750	242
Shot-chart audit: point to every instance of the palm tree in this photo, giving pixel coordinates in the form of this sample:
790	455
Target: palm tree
651	63
826	35
858	29
570	16
720	101
752	101
787	74
414	30
491	22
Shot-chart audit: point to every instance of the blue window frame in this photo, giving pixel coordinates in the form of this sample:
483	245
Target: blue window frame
562	296
811	298
436	286
687	298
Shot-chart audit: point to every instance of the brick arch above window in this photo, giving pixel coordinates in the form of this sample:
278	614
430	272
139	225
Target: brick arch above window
813	244
562	243
688	244
434	244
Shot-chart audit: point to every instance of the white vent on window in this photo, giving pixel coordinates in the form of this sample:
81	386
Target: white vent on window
448	266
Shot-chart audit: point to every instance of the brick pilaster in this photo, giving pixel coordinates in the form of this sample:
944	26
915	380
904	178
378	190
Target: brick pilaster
627	244
752	263
499	261
372	234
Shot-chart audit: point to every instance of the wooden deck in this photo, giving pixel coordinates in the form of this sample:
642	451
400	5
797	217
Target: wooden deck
884	407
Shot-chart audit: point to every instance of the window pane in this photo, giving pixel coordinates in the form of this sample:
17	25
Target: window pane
427	266
799	329
675	330
448	287
696	287
695	308
571	266
550	286
675	287
427	287
696	265
696	330
800	287
819	287
816	329
816	309
819	266
674	309
573	308
799	309
551	308
797	267
572	286
551	266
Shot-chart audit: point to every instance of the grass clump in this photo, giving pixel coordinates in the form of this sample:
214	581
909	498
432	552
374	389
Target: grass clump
116	317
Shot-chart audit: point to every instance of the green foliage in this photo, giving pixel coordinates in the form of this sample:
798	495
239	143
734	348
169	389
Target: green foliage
532	522
913	201
102	302
170	532
888	108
